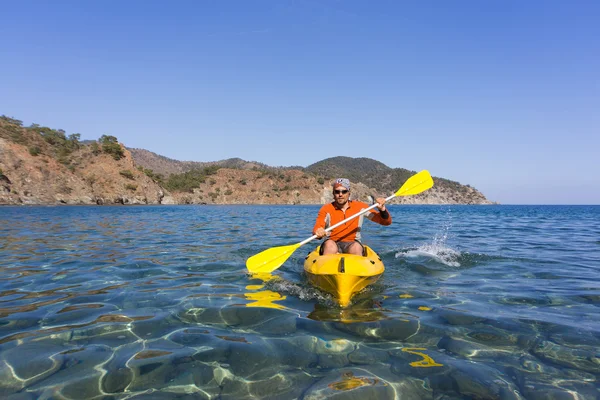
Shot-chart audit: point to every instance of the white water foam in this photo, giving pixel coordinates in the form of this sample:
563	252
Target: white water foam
437	250
441	254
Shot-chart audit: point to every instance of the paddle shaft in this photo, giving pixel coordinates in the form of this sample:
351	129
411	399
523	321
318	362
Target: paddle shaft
313	237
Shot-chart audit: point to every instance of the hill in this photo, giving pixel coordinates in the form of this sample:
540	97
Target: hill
369	176
385	179
41	165
167	166
370	172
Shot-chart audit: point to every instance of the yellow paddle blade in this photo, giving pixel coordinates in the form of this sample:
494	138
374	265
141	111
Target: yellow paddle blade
416	184
270	259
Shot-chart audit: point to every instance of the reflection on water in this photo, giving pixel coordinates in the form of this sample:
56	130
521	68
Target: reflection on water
265	298
155	302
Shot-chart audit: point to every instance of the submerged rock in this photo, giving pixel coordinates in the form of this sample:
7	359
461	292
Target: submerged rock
481	381
29	363
257	319
393	329
454	317
585	359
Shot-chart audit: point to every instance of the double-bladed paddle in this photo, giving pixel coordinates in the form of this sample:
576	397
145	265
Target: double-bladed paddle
273	258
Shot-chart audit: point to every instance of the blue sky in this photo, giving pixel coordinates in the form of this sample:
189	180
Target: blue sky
501	95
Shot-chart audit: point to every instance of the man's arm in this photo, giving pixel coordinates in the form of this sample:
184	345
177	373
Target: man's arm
319	228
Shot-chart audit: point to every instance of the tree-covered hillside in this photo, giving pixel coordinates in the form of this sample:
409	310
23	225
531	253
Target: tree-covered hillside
368	171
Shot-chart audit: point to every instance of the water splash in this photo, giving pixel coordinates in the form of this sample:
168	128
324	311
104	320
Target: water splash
437	250
440	254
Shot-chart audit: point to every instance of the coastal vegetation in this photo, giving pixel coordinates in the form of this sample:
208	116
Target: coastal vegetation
110	145
42	140
190	180
127	174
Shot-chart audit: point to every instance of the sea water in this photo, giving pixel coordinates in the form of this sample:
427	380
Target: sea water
488	302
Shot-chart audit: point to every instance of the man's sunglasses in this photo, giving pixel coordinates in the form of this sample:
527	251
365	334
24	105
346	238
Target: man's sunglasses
340	191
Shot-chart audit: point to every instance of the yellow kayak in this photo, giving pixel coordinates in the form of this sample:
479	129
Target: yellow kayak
343	275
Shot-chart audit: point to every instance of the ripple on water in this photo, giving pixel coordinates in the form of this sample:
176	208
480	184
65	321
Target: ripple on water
155	302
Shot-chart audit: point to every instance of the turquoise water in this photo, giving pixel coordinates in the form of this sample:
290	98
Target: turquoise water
489	302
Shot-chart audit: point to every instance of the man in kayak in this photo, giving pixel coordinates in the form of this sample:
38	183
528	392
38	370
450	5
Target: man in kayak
346	238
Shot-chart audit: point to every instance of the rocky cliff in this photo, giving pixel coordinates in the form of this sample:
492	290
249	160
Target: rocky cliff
40	165
33	170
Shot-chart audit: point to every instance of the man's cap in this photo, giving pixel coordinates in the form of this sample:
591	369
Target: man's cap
342	182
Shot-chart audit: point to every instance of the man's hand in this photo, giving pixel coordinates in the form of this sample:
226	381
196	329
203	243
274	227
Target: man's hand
320	232
380	204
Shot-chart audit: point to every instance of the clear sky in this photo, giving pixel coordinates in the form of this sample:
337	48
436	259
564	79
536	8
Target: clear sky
501	95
